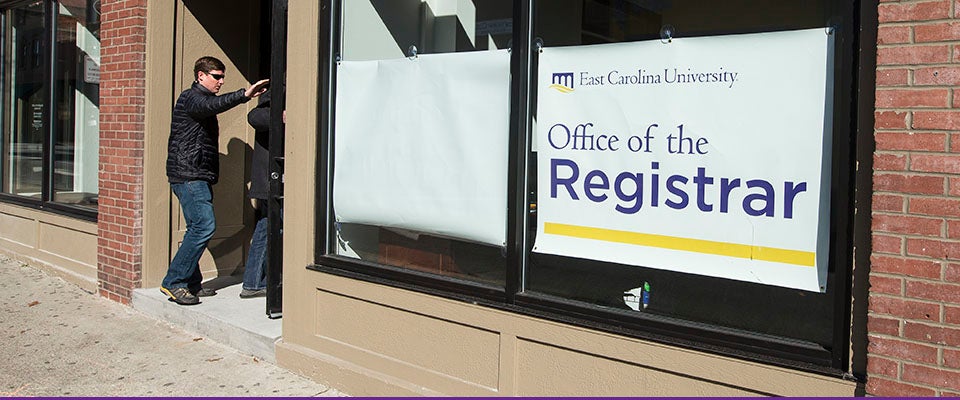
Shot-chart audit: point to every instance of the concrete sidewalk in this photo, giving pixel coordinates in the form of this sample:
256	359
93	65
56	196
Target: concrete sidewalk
58	340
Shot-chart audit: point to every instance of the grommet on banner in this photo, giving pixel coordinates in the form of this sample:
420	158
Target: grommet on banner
829	30
666	33
412	52
538	43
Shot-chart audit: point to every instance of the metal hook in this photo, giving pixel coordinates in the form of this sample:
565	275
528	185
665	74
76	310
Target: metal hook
666	33
412	51
538	42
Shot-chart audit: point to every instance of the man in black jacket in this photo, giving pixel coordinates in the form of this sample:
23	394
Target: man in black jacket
193	166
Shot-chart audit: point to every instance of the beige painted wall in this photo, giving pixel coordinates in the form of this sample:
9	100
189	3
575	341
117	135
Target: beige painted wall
61	245
372	340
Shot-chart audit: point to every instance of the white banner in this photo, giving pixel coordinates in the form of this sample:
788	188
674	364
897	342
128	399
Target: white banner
703	155
421	144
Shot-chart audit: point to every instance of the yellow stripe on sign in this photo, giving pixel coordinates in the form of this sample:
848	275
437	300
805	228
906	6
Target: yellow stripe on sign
786	256
561	88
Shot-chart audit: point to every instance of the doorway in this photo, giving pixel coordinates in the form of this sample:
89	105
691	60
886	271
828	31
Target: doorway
277	51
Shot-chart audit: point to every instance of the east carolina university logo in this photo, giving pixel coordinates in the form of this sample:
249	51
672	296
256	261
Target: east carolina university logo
562	81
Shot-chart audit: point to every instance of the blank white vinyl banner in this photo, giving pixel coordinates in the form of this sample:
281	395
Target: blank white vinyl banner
421	144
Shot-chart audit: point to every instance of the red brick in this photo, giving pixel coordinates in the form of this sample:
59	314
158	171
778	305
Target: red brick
877	386
907	309
889	162
913	55
953	229
893	77
909	267
912	98
121	127
907	224
954	187
935	206
944	163
882	366
933	334
937	76
887	244
951	358
893	34
886	285
890	120
931	376
940	249
938	32
883	326
895	348
951	315
941	292
914	11
948	120
888	202
924	141
916	184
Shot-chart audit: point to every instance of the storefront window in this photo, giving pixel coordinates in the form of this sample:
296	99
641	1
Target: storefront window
421	136
77	94
652	281
24	123
682	168
51	121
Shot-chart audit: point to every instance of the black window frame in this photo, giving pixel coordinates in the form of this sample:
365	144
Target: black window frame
849	221
45	202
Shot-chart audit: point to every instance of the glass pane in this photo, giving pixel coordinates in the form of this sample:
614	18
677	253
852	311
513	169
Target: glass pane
412	219
751	307
23	96
77	94
385	29
582	22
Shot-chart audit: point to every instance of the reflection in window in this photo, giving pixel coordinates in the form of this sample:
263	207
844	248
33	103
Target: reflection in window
66	131
23	100
77	93
385	29
389	30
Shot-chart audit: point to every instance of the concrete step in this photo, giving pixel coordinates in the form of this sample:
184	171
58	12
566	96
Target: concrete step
225	318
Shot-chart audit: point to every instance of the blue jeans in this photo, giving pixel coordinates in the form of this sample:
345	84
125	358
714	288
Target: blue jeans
255	271
196	202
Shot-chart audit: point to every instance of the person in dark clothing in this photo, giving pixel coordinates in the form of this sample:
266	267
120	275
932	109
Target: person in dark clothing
193	166
255	271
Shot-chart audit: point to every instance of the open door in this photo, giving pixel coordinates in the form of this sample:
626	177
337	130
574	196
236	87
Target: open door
278	69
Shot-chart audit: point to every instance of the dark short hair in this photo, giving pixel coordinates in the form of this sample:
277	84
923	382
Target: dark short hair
207	64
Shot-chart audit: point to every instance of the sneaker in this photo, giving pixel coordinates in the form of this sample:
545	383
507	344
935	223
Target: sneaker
180	296
248	293
204	292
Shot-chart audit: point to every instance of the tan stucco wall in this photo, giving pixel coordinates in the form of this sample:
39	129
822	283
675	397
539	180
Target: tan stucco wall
64	246
371	340
157	197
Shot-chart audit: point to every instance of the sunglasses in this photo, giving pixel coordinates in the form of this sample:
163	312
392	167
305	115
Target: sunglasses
216	76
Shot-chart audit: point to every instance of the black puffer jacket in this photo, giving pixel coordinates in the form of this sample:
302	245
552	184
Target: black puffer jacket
193	149
259	119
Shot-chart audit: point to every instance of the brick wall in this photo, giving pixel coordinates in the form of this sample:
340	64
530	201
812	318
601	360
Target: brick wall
914	312
122	90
